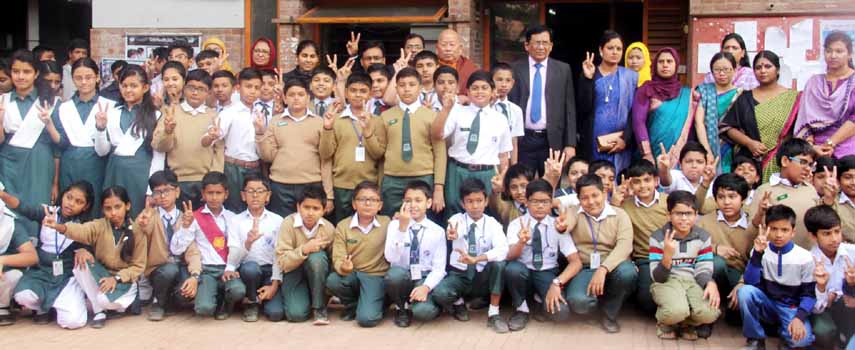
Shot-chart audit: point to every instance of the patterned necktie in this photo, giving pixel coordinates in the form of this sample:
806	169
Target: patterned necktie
472	250
406	142
474	131
536	94
377	105
536	248
414	244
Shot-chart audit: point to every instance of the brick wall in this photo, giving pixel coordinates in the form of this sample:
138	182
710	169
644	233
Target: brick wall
768	7
465	18
110	42
291	34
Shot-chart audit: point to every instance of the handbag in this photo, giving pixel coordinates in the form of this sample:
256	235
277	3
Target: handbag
605	142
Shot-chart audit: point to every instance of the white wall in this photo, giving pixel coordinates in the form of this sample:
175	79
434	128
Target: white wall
167	13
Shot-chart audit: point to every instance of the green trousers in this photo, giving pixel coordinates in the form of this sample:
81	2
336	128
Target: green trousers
392	191
343	204
234	179
457	284
361	291
455	175
399	285
681	300
726	278
620	284
283	199
303	288
835	323
642	295
522	283
213	291
192	191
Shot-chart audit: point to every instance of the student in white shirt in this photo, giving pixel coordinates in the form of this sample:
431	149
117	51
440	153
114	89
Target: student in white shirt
693	160
415	249
321	87
503	77
268	104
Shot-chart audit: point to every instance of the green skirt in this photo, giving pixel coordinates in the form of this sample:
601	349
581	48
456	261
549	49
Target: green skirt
28	173
40	279
82	163
132	174
98	272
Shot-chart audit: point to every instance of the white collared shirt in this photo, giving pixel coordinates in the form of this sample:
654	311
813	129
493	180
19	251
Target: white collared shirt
608	210
410	107
541	124
372	104
354	223
169	218
776	179
298	222
184	237
679	182
287	113
236	123
193	111
327	102
263	250
431	249
50	240
551	241
490	240
494	136
836	270
639	203
741	223
515	116
844	199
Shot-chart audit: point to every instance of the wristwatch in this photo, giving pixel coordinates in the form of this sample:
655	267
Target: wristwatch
118	279
829	143
195	275
556	282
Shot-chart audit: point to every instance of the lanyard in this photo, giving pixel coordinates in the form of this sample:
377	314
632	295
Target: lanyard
56	241
358	135
593	234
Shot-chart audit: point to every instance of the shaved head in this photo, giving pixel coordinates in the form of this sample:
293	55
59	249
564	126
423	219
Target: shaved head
449	46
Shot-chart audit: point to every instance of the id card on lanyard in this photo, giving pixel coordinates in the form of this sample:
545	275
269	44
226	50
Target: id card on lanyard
57	262
595	255
359	155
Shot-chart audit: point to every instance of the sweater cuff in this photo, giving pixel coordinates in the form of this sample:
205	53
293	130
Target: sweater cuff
703	279
848	289
756	259
802	314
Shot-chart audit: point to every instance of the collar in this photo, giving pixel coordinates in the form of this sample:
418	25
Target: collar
207	210
34	93
841	252
354	223
531	63
742	222
287	113
239	107
411	107
193	111
519	206
327	101
298	221
607	211
77	100
347	113
174	214
373	102
478	222
777	179
246	214
844	199
782	250
639	203
269	104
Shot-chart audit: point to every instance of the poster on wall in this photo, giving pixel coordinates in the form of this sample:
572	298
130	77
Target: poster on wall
827	26
107	75
140	46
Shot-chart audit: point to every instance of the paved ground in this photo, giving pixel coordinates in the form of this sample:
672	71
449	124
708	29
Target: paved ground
184	331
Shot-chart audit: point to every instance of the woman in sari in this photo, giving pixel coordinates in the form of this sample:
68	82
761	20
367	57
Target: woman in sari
762	118
217	45
715	100
637	58
744	76
827	109
605	97
660	111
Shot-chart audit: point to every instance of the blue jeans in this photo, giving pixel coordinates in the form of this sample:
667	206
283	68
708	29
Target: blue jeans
757	308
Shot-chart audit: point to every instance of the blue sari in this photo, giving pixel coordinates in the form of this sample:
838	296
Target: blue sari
716	107
665	123
613	97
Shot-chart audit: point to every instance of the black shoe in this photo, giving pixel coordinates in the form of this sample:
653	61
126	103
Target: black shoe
99	323
609	325
7	320
704	331
156	312
41	319
349	313
539	312
460	312
479	303
402	318
518	321
135	308
497	324
223	313
250	313
755	344
321	318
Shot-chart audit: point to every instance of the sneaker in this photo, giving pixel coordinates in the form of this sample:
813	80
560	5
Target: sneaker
704	331
402	318
665	332
223	313
518	321
460	312
99	321
250	313
497	324
156	312
7	319
349	313
539	312
321	318
689	333
609	325
41	319
755	344
479	303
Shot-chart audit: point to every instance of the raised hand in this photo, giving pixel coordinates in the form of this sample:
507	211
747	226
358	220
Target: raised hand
278	88
215	131
353	44
447	101
44	110
554	164
50	217
451	231
253	234
144	218
329	117
566	221
762	240
525	231
831	188
669	244
345	70
404	217
588	67
187	215
664	158
403	61
710	169
850	271
820	274
100	117
259	122
169	122
347	264
498	181
428	102
316	244
621	192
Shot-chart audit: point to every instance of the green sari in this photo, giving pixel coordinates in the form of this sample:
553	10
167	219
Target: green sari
716	107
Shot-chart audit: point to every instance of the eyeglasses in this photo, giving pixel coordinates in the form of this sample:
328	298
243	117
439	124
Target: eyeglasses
255	193
540	201
803	162
162	193
413	47
722	70
195	89
367	201
682	214
261	52
178	57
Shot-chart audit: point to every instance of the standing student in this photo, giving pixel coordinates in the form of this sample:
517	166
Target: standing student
112	91
18	253
844	202
416	252
44	53
182	53
127	138
357	258
172	74
77	49
109	283
426	63
293	138
321	87
402	137
179	133
380	75
503	77
308	58
208	60
267	96
208	227
480	138
50	75
303	255
223	89
217	45
508	199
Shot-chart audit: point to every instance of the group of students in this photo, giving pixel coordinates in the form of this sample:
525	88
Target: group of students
207	189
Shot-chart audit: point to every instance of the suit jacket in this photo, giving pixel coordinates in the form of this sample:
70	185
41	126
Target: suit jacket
560	100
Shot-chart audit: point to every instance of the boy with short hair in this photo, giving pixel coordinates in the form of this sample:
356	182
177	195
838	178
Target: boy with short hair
477	261
207	60
693	160
508	197
681	266
77	49
503	77
251	240
358	262
206	227
401	136
779	284
426	63
223	87
415	249
303	254
576	167
380	75
843	202
321	86
750	171
181	52
822	172
606	171
266	103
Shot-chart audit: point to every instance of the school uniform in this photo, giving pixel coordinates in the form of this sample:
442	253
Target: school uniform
417	258
291	141
476	237
75	121
799	197
240	154
846	210
186	156
831	320
344	146
209	232
401	137
537	266
513	115
320	106
378	106
679	182
266	108
257	266
362	288
11	239
477	137
738	235
131	160
506	210
431	96
303	282
646	218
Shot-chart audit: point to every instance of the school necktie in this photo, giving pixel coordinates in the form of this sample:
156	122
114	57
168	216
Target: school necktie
505	112
536	94
168	228
414	244
474	131
377	105
473	250
536	248
322	108
406	142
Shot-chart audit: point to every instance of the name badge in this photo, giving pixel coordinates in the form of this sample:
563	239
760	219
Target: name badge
781	197
393	121
57	268
537	259
352	241
473	137
360	154
415	272
595	260
282	123
462	129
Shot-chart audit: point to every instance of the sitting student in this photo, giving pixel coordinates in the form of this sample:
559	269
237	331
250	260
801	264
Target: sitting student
251	240
177	133
278	145
576	167
750	171
743	166
534	243
789	187
844	203
357	257
415	249
832	257
380	75
173	279
478	260
503	77
222	88
681	265
605	170
343	143
426	63
779	285
608	277
480	139
402	138
109	283
648	210
823	169
321	86
208	60
693	160
39	287
207	228
508	197
302	253
18	253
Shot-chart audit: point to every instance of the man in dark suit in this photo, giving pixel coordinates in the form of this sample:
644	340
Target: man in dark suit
544	90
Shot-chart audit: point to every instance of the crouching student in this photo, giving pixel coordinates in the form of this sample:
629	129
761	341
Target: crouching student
779	285
534	244
207	228
120	253
508	197
302	252
415	249
39	287
681	266
358	262
252	242
18	253
478	260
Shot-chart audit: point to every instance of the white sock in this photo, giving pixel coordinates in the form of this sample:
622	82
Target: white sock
459	301
523	307
493	310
